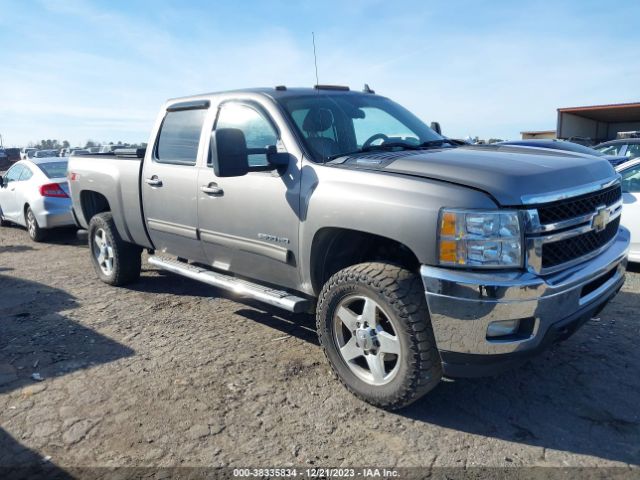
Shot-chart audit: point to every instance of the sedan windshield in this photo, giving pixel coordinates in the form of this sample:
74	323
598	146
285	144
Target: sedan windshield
54	169
332	125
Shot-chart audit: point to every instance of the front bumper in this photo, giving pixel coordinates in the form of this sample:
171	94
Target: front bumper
462	304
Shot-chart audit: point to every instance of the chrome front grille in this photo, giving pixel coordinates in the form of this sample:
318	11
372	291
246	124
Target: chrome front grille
572	229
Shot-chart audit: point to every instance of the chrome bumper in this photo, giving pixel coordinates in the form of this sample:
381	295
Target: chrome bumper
462	304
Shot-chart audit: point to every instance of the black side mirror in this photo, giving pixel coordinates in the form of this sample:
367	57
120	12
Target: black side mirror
229	153
275	158
1	181
435	126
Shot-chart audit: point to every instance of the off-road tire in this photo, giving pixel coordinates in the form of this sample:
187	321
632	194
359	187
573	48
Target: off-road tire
401	293
127	257
36	233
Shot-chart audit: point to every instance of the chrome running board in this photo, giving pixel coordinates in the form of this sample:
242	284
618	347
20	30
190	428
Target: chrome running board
277	298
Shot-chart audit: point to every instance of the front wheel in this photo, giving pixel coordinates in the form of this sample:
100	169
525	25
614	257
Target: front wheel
115	261
374	327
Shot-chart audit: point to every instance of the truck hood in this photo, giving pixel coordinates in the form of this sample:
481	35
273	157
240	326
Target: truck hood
506	173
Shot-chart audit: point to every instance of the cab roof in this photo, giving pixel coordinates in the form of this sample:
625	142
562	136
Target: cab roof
282	91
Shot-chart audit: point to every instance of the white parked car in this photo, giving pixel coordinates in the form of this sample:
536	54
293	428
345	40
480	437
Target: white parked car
27	153
630	172
34	193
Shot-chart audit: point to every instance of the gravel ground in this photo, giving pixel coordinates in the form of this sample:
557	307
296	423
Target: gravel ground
170	372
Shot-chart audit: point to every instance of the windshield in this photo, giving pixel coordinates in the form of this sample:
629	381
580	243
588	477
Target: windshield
54	169
332	125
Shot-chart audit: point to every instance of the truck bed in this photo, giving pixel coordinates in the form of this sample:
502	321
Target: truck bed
116	178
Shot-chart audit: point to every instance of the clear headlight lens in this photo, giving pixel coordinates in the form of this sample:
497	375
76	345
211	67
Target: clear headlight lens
480	238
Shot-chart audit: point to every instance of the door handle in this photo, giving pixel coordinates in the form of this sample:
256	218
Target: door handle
153	181
212	189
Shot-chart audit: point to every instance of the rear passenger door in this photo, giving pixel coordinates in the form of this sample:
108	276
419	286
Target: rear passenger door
169	181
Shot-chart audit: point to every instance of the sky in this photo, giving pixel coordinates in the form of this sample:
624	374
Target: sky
99	70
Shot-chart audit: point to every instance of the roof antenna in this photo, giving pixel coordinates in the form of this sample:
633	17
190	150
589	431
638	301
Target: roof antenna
315	57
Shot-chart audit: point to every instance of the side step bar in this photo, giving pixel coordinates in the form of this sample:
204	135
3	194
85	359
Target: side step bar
277	298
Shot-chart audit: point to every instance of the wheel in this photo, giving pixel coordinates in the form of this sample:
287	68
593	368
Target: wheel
374	327
3	222
115	261
36	233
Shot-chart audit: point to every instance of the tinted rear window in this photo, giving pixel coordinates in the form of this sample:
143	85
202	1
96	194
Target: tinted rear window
54	169
180	136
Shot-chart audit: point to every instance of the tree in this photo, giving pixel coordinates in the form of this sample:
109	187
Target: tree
90	143
65	144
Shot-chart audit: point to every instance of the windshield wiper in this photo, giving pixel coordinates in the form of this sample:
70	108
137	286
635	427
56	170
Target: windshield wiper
375	148
392	145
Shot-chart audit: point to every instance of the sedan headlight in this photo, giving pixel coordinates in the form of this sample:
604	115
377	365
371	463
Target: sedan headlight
476	238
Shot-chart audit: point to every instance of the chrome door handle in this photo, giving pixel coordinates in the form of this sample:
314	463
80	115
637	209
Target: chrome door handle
153	181
212	190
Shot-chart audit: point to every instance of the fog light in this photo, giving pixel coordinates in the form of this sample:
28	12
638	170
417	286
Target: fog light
503	328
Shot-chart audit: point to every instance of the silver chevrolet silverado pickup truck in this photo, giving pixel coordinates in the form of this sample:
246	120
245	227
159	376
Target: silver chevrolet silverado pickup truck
419	259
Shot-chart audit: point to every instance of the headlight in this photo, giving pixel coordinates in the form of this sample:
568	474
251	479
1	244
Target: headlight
475	238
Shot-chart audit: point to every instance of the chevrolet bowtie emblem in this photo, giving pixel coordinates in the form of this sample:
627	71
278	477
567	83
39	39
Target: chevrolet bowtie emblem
601	219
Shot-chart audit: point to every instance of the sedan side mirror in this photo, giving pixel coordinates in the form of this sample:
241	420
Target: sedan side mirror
229	152
1	181
435	126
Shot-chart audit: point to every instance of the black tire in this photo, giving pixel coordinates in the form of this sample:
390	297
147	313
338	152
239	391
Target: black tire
36	233
399	295
125	258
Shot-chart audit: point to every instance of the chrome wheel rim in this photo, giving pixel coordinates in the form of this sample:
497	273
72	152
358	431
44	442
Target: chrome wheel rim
103	251
367	339
31	223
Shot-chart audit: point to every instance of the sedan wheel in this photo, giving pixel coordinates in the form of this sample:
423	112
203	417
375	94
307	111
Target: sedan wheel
36	233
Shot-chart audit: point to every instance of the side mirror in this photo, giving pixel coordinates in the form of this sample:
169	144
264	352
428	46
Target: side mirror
275	158
229	153
1	181
435	126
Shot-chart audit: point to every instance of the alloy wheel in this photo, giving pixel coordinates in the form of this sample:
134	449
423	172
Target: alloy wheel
367	339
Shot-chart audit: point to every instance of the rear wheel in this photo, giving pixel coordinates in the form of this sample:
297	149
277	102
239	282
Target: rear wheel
115	261
36	233
374	327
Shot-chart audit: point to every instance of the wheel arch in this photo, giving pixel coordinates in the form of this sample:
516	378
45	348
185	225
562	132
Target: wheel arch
335	248
92	203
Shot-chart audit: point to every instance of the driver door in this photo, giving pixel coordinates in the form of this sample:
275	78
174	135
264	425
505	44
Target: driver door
248	225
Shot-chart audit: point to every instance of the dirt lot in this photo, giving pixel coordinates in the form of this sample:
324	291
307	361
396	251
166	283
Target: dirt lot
171	372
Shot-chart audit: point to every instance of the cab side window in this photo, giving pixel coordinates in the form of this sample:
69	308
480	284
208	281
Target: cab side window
13	174
258	131
631	180
179	137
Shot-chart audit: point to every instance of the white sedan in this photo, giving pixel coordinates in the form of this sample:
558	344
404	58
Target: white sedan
34	193
630	172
